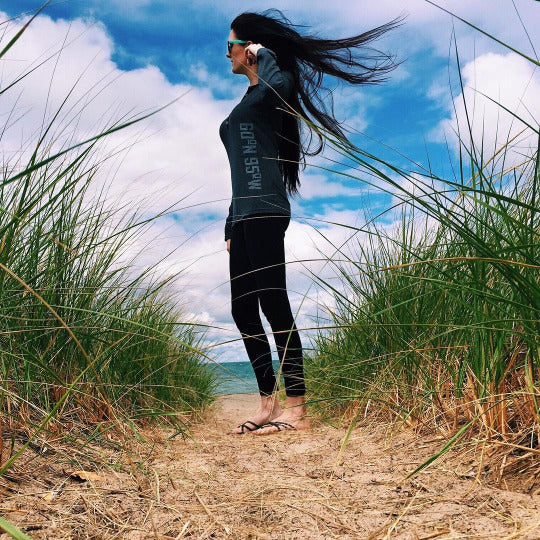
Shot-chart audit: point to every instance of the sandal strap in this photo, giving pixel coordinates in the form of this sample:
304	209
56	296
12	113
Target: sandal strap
245	426
278	423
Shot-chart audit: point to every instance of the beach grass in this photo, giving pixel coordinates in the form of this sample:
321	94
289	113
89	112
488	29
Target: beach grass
436	321
87	339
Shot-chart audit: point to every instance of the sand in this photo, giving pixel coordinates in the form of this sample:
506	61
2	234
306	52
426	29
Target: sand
283	486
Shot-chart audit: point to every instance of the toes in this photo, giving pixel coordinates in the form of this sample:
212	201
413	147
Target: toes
266	431
236	431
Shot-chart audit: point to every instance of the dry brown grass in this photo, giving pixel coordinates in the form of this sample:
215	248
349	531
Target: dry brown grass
289	485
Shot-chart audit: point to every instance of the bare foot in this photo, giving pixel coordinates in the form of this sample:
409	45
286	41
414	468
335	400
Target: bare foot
292	422
269	409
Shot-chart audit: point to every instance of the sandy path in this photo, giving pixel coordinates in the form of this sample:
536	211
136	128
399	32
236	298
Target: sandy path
287	485
290	485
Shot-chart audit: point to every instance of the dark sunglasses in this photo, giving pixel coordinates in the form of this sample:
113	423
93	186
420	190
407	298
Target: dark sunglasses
231	42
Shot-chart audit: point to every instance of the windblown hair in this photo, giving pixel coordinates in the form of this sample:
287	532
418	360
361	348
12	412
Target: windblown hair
308	58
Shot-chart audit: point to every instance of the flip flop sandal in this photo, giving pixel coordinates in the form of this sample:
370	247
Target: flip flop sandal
245	426
277	424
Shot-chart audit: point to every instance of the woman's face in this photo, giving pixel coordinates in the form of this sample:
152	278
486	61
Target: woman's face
237	55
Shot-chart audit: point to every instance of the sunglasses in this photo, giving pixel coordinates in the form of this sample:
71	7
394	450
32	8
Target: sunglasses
232	41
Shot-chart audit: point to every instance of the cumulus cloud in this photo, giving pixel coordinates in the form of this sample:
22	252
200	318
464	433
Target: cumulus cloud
493	83
426	25
315	186
181	143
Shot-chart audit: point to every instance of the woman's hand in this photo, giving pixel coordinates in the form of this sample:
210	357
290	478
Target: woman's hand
229	245
251	53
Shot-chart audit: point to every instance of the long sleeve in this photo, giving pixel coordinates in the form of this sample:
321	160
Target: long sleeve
271	78
250	136
228	224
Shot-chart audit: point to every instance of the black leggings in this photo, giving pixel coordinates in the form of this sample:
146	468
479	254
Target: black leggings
257	270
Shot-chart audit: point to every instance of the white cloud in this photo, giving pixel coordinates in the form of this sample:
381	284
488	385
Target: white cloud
315	186
426	26
507	79
200	72
180	144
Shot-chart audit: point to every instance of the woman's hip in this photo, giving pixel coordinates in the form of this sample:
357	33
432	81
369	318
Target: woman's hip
266	224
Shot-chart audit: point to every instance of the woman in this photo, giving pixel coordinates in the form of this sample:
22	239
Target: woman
262	140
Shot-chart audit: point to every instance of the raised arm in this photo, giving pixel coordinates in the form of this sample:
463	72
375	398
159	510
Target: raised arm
271	78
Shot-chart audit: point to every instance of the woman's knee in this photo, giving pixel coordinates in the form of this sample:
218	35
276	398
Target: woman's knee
238	314
244	315
276	307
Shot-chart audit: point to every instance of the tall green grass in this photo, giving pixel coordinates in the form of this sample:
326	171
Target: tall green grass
84	337
438	320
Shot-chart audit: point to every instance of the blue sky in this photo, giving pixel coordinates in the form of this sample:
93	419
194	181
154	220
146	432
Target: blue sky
161	48
175	35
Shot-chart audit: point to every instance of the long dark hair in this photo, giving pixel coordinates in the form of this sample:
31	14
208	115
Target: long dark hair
308	58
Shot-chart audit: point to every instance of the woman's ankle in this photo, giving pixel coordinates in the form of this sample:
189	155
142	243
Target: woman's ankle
296	405
269	403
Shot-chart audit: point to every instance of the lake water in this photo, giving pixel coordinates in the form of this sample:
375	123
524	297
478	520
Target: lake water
237	377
